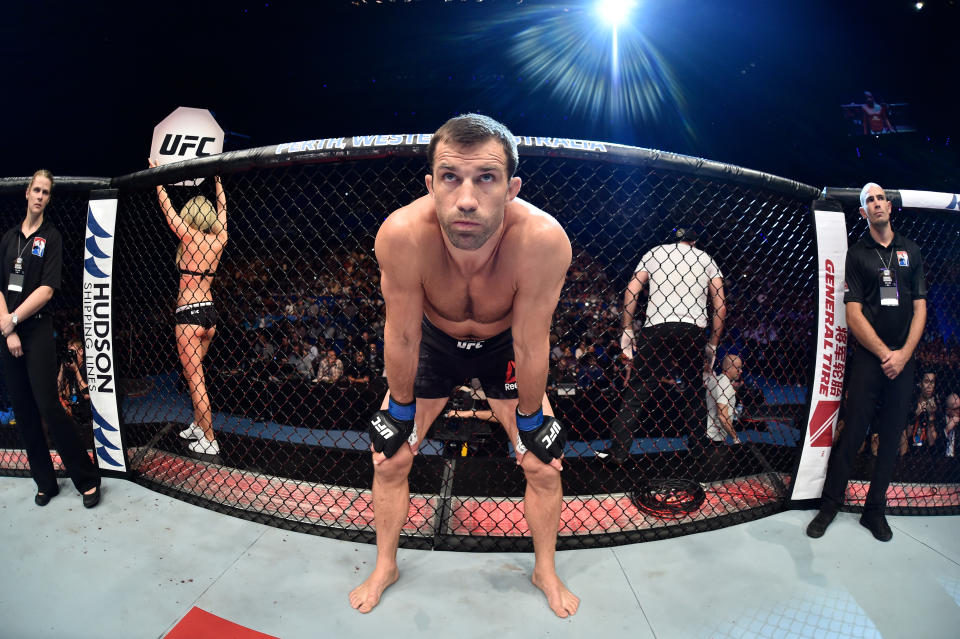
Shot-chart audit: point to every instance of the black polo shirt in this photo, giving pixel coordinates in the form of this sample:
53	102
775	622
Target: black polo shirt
42	260
864	261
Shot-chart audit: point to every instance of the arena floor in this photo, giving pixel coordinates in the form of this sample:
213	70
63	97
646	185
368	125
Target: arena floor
145	565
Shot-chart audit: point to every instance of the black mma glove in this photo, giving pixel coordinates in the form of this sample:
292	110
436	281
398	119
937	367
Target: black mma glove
389	429
541	435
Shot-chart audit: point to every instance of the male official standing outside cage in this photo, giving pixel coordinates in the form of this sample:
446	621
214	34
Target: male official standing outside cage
886	311
683	280
470	277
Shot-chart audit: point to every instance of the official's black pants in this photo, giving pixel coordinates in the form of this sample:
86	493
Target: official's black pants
664	350
872	398
32	384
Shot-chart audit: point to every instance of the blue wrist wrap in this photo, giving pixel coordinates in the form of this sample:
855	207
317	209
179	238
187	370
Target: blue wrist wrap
531	422
402	412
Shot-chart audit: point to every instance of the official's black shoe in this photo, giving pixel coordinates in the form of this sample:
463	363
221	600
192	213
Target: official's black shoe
91	500
42	499
818	526
877	524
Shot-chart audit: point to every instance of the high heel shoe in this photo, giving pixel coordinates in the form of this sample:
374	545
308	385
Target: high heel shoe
91	500
42	499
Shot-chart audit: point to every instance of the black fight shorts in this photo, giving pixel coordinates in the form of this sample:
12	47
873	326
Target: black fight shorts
200	314
446	362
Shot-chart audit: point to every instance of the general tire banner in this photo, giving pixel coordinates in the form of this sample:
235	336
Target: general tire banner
826	390
98	329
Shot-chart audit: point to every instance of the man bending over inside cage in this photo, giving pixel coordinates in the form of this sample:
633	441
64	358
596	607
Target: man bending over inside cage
470	276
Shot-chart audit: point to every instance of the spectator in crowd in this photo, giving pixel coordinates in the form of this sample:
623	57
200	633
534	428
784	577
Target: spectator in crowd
556	352
721	398
312	353
582	350
301	362
947	430
589	373
710	443
71	382
357	370
374	359
566	365
285	348
921	432
264	350
686	294
875	116
330	369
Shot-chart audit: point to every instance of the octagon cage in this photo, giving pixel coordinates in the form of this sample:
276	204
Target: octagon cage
295	369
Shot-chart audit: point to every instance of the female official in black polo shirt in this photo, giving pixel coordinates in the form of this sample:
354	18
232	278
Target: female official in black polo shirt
31	260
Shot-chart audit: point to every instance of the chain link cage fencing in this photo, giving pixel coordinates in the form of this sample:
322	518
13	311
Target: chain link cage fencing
294	369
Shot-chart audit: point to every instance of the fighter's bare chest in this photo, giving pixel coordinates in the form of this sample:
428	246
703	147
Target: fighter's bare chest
485	299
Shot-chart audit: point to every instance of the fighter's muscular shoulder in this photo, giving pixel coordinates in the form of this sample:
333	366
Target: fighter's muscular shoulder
535	239
409	235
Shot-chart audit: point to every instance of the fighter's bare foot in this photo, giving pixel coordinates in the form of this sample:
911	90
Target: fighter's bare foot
563	602
367	595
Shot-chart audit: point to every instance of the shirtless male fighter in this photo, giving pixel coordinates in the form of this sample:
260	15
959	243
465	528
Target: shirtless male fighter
470	276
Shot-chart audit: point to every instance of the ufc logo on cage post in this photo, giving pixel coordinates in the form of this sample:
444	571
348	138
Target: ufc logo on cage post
185	134
172	144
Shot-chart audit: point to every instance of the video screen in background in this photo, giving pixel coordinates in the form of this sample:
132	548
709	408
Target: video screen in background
874	116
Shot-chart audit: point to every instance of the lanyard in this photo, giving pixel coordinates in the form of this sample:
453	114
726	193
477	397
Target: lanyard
18	264
889	260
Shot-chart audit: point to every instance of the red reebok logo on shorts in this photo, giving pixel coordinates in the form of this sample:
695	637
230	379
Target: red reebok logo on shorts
821	426
511	373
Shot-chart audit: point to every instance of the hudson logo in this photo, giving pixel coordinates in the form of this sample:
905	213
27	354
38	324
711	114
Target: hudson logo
98	333
381	427
180	144
470	345
90	264
821	425
510	383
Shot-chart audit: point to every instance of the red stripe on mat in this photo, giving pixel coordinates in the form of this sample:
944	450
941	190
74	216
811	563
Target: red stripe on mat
200	623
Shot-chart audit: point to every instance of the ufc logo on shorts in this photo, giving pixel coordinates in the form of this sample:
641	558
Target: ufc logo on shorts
551	436
189	141
382	428
470	345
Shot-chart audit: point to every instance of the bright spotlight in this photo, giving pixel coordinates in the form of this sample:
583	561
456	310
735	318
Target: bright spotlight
918	6
615	12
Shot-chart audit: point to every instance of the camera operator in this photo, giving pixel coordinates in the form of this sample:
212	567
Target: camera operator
72	384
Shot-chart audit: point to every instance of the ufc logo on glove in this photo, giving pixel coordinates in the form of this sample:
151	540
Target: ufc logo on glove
551	436
382	428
